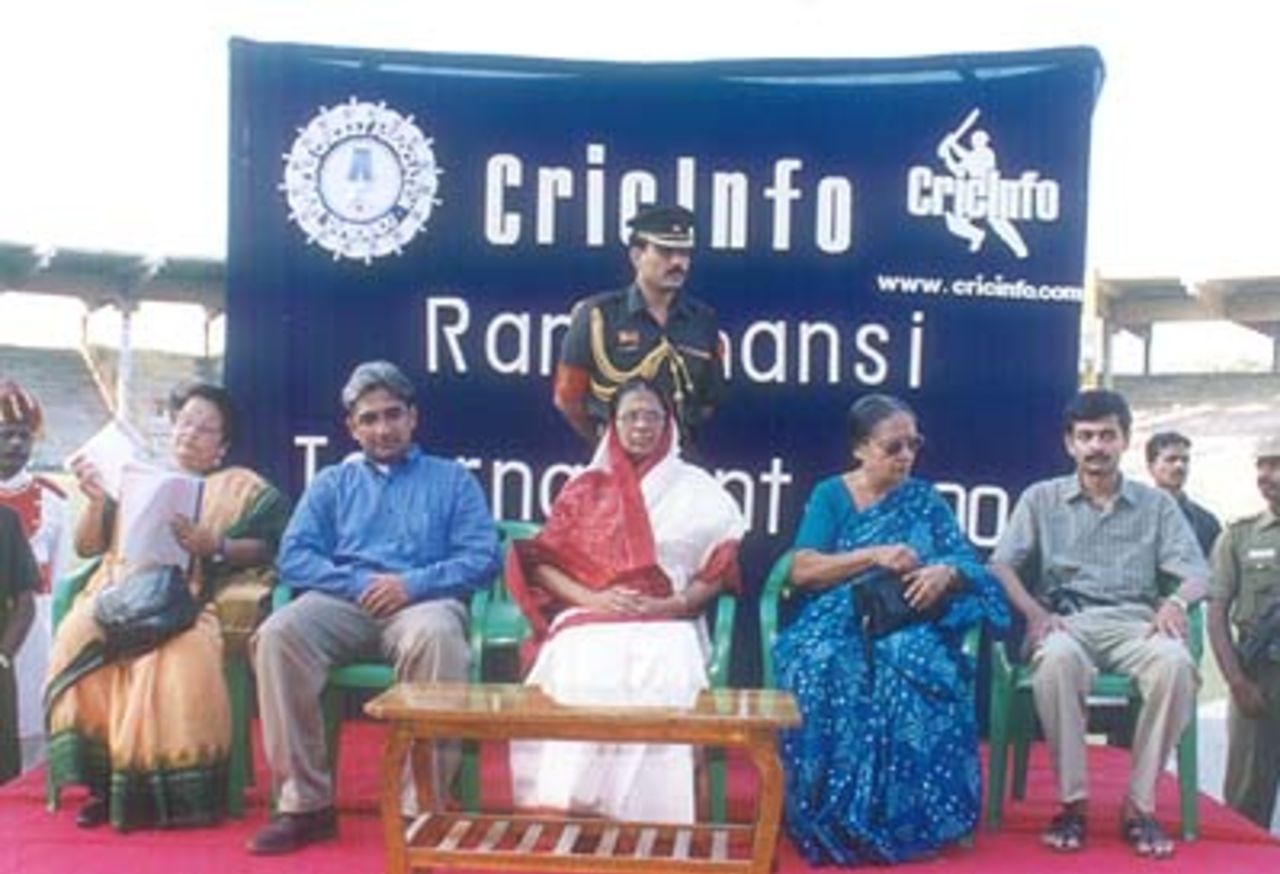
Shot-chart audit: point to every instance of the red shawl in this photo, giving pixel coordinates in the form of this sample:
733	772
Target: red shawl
598	532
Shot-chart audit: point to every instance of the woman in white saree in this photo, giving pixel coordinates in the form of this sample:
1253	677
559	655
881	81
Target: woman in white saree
615	586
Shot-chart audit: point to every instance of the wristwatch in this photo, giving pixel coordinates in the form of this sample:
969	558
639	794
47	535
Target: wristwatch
220	554
5	662
1178	601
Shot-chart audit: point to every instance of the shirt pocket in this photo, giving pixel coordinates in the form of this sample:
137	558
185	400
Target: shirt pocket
698	353
1060	570
1259	581
1260	566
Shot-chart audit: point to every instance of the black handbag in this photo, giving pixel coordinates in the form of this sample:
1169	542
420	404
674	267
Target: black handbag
878	595
141	612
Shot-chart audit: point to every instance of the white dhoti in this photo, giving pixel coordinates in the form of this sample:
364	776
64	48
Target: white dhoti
631	664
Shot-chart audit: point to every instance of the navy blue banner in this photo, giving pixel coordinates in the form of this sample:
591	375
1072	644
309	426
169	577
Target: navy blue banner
907	226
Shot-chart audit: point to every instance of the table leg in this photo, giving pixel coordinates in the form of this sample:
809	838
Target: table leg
762	748
393	768
423	756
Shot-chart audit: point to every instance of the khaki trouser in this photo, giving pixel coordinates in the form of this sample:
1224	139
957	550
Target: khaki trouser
1113	639
1253	751
293	652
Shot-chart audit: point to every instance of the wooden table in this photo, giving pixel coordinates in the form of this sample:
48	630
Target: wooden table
540	842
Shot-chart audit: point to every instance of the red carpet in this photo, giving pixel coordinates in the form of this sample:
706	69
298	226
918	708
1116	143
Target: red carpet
33	841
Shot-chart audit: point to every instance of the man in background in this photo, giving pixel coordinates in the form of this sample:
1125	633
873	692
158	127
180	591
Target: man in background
1169	462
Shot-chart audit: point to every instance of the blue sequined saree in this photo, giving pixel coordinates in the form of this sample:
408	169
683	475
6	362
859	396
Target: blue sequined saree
885	766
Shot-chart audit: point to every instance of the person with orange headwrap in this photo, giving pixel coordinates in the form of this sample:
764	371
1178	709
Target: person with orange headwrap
41	507
17	579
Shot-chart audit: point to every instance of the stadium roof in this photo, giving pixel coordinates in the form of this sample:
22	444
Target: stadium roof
113	278
1253	300
101	278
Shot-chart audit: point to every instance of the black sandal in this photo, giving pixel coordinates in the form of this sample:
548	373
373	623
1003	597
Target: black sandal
1147	837
93	813
1065	832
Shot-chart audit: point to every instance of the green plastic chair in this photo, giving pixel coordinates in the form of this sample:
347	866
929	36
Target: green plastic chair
235	669
495	621
1013	720
777	591
718	676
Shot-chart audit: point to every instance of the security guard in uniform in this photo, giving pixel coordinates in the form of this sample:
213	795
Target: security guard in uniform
650	329
1246	591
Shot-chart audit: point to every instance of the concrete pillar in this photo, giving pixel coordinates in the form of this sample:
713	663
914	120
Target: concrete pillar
1145	333
1108	350
209	315
124	367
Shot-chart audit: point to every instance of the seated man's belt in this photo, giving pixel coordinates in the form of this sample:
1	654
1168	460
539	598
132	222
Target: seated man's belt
1064	602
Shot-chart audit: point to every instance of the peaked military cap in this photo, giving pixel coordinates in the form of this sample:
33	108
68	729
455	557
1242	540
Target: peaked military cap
1268	446
670	226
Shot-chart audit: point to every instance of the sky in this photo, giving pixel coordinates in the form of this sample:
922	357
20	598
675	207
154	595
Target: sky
116	112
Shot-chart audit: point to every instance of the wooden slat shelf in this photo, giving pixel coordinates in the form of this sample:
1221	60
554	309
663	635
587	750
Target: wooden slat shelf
515	842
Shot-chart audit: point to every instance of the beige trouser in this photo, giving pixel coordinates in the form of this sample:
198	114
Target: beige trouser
293	652
1253	751
1112	639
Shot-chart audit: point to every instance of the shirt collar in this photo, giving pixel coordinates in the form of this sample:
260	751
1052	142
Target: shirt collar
17	482
407	459
1126	491
636	302
1267	519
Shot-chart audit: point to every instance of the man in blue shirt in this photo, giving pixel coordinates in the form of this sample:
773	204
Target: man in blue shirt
383	550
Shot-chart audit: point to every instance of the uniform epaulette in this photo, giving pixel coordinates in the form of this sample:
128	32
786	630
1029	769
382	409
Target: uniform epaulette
1244	521
698	305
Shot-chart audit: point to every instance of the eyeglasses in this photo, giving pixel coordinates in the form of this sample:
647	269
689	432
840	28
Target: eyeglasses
391	415
200	430
636	417
898	445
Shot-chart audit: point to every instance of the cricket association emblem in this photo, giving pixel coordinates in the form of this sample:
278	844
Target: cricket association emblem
361	180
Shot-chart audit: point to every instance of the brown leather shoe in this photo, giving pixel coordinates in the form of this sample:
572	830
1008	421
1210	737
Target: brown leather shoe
292	831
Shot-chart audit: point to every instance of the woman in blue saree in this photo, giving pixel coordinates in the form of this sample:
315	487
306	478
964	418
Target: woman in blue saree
885	767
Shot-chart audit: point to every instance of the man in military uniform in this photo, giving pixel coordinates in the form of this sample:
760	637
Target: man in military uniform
1169	461
1246	590
651	329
